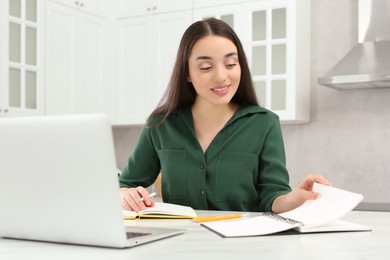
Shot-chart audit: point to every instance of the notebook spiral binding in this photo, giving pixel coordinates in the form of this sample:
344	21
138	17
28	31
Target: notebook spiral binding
282	219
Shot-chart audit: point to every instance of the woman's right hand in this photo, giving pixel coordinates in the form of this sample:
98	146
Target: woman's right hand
131	198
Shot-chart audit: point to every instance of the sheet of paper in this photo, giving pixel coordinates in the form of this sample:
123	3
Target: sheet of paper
331	204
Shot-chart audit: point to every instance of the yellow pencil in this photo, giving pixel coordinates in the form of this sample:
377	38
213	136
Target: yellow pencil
221	217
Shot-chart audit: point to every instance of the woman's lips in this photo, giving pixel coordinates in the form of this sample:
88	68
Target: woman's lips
221	90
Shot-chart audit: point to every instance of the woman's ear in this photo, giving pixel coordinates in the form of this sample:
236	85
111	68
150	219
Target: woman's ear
188	79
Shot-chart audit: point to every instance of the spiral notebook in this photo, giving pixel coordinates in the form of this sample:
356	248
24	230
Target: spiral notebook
320	215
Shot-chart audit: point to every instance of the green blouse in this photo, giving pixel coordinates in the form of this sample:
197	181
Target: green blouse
243	168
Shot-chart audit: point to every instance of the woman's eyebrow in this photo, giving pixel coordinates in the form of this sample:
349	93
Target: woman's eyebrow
204	58
210	58
233	53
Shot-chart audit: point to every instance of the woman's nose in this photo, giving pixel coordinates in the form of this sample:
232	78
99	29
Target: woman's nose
220	74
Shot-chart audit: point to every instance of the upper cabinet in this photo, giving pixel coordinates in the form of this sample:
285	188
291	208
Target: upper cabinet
21	58
276	39
116	57
76	59
146	48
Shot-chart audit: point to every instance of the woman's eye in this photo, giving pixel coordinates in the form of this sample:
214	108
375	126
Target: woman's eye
205	68
231	65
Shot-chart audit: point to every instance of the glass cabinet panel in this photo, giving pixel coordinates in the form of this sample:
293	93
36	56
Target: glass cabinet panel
31	10
279	23
279	59
278	95
258	25
15	7
31	46
14	87
229	19
22	57
14	42
258	60
261	92
31	89
269	57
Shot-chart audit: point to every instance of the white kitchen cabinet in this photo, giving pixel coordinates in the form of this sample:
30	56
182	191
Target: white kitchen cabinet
276	39
21	58
95	7
76	61
131	8
146	51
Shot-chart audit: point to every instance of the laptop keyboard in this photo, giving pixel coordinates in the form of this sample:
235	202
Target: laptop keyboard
136	234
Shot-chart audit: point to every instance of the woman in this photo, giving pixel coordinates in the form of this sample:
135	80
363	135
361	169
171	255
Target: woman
216	147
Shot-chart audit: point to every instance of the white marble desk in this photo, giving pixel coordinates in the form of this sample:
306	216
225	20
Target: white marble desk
200	243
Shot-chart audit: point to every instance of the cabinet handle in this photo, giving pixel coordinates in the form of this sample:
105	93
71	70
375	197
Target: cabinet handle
151	8
76	3
81	4
5	110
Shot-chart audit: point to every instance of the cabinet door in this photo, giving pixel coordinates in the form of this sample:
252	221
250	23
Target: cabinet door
133	74
90	64
3	58
167	30
271	33
60	58
146	52
266	48
21	88
76	61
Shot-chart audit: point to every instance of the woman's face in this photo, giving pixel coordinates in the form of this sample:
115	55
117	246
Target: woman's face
214	70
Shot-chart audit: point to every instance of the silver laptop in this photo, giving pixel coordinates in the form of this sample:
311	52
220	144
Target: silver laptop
59	183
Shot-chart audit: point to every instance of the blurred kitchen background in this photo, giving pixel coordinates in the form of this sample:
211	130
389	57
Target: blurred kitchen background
348	136
115	57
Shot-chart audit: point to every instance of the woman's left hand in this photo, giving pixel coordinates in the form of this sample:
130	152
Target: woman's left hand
300	194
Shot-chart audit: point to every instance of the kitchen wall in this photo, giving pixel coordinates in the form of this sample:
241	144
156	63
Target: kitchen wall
348	137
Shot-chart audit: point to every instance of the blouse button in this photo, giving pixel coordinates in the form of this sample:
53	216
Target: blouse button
202	167
202	192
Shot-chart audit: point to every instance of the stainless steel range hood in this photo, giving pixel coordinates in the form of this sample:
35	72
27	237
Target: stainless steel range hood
367	65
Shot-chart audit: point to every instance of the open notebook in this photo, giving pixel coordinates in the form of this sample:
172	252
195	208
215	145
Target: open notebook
320	215
59	183
161	210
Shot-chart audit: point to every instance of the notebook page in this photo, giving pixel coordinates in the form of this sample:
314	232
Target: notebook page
331	204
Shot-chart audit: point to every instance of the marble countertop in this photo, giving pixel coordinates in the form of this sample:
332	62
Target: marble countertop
200	243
